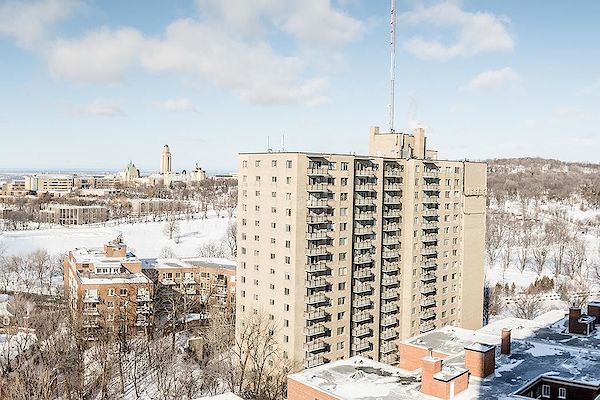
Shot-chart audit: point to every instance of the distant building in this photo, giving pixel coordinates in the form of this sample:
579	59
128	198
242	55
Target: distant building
165	161
106	290
141	207
65	214
509	359
13	188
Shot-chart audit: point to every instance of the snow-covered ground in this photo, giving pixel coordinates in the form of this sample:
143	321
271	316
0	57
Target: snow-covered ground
145	239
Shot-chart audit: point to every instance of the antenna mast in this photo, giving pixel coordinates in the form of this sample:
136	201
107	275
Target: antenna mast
392	61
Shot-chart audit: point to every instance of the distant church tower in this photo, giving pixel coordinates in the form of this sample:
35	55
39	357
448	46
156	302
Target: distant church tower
165	161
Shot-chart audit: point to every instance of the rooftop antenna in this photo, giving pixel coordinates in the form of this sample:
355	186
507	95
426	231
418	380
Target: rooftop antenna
282	143
392	60
269	150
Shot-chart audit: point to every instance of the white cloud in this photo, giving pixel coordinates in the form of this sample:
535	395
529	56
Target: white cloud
476	32
99	56
252	71
494	80
177	105
313	22
102	108
28	22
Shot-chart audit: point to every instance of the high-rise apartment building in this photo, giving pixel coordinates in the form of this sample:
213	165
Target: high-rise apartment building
350	254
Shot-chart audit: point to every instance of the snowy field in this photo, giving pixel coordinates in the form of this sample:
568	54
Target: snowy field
145	239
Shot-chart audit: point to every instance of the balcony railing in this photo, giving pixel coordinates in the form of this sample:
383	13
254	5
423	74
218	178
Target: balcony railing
318	188
391	240
363	231
389	348
389	254
361	345
315	315
429	326
319	171
363	274
363	259
316	268
316	283
389	321
91	299
317	251
318	219
389	294
315	299
363	244
315	330
389	281
392	213
428	289
430	225
362	303
392	172
392	187
431	187
365	172
315	361
427	278
430	199
388	334
319	203
392	200
389	308
427	315
426	303
368	201
431	237
362	332
319	235
369	187
391	227
316	346
429	251
362	317
364	216
431	173
362	288
390	267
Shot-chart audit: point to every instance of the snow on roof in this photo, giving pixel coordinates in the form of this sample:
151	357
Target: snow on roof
99	279
222	263
452	340
359	378
480	347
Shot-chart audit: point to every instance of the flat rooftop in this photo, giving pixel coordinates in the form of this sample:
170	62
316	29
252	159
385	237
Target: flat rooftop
163	263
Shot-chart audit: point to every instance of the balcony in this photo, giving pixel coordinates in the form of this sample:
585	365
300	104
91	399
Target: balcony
391	240
316	283
315	330
363	244
391	227
388	348
317	219
318	203
319	235
429	265
390	267
395	213
142	322
430	237
392	187
429	251
362	332
389	294
90	323
316	268
143	310
91	299
389	308
318	188
319	171
430	199
430	225
316	299
389	254
362	317
392	200
389	281
363	259
315	315
431	173
362	288
427	315
431	187
365	274
429	326
431	212
361	345
315	361
317	251
428	289
388	334
364	216
143	298
390	359
365	172
369	187
90	311
362	303
316	346
428	278
367	230
389	321
366	201
395	173
427	303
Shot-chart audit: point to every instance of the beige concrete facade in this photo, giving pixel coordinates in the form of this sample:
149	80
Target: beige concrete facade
351	254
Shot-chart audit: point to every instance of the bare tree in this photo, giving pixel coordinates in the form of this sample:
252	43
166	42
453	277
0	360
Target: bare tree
171	228
167	252
527	305
230	238
523	249
494	235
211	249
575	256
540	250
560	238
506	255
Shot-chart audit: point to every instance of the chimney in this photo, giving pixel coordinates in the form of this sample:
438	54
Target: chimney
594	310
430	366
480	359
505	345
574	315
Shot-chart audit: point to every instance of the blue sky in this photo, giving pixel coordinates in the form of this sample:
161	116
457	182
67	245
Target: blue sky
93	84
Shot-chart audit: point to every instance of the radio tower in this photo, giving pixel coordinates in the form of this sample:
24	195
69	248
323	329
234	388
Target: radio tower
392	61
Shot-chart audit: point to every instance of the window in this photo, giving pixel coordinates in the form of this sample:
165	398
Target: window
340	315
123	292
288	163
562	393
344	181
344	166
340	345
545	390
343	196
286	291
342	286
340	330
273	163
257	163
274	179
341	300
110	292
